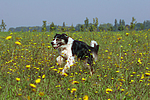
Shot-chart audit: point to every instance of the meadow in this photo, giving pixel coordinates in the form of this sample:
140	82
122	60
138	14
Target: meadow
28	69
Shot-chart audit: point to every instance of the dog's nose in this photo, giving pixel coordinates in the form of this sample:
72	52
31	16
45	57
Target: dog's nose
52	42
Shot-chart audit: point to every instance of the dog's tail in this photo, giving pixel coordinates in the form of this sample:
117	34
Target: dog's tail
95	46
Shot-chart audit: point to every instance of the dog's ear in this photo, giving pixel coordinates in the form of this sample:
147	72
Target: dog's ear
65	35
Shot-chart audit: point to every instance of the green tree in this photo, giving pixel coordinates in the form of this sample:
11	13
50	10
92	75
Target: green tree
121	27
82	28
95	23
133	23
86	22
91	27
116	25
44	26
52	27
3	25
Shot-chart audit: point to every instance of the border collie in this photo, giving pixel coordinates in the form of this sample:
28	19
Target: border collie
70	49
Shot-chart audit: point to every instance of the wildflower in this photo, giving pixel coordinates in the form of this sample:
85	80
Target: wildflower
122	90
18	43
27	66
142	77
73	90
43	76
148	74
19	94
8	37
65	74
33	86
106	50
119	38
58	85
34	90
37	80
127	34
117	71
75	82
139	61
55	69
18	79
41	94
60	68
85	97
108	90
83	79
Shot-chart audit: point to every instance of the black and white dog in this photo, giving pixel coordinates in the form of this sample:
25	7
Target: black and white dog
69	49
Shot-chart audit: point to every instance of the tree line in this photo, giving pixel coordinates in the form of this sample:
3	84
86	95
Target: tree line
95	26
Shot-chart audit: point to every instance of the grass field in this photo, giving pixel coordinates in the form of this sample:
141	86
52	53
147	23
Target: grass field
28	69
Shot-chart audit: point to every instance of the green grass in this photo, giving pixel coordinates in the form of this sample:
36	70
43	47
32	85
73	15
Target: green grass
121	72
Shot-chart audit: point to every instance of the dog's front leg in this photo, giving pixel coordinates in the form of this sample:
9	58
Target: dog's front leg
70	62
59	60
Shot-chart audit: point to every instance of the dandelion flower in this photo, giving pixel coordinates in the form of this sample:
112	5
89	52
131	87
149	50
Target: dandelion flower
75	82
85	97
127	34
18	43
33	86
148	74
73	90
8	37
18	79
83	79
27	66
43	76
108	90
41	94
38	80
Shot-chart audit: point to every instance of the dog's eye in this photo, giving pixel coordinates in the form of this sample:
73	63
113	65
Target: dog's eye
57	39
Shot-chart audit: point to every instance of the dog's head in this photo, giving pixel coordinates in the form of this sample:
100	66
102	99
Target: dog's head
59	40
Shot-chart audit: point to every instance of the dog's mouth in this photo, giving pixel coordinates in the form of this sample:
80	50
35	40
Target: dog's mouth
56	46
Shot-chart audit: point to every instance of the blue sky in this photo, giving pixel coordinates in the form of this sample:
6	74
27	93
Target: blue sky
17	13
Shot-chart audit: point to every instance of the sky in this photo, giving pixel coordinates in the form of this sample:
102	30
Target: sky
16	13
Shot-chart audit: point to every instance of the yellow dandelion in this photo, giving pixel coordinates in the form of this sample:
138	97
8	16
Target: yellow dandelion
60	68
38	80
106	50
75	82
27	66
65	74
33	86
8	37
139	61
142	77
34	90
19	94
148	74
58	85
83	79
122	90
127	34
108	90
18	43
73	90
18	79
117	71
55	69
41	94
85	97
43	76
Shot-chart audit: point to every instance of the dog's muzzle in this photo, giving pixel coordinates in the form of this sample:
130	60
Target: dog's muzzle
55	46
